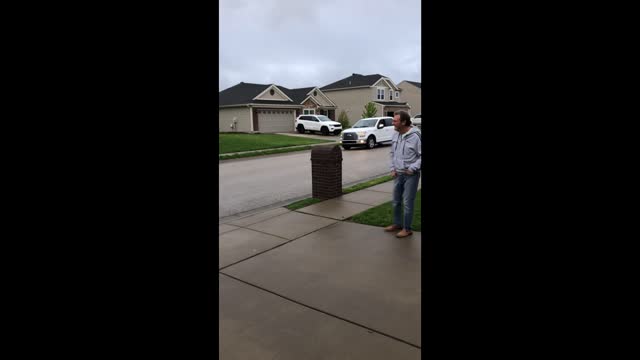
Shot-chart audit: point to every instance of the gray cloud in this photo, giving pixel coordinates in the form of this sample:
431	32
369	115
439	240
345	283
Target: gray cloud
297	43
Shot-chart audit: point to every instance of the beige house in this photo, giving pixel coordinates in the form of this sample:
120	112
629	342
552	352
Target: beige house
268	108
412	92
352	93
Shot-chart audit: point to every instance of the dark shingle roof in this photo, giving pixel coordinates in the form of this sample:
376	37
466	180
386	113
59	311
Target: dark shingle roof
297	95
416	84
353	81
243	93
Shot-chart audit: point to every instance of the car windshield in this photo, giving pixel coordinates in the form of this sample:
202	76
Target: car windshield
363	123
418	117
323	118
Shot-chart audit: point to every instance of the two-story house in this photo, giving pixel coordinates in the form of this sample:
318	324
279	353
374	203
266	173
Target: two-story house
412	93
352	93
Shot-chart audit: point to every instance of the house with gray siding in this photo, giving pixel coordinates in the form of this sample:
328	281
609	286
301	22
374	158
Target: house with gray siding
412	93
352	93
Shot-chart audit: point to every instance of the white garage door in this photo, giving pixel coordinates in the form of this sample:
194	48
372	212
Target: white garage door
270	121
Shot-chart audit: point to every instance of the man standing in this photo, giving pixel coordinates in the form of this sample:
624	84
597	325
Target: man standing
406	161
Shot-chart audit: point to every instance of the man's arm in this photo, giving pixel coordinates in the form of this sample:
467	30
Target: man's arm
392	168
416	144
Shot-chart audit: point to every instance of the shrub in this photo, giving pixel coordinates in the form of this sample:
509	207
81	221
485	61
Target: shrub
369	110
343	119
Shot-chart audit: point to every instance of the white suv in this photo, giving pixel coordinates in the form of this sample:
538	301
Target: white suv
319	123
368	132
417	121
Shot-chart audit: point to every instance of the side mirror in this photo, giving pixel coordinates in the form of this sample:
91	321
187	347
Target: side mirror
380	125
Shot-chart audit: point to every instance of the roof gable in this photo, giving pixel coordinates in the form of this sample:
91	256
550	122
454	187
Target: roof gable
322	96
301	95
272	93
389	83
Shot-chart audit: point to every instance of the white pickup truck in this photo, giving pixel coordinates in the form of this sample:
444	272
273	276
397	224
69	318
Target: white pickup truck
368	132
319	123
417	121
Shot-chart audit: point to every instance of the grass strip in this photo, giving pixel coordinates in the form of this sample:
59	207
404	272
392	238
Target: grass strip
309	201
232	143
302	203
382	215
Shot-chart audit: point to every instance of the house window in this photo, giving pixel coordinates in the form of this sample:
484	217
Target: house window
390	95
315	93
397	95
272	92
380	94
309	111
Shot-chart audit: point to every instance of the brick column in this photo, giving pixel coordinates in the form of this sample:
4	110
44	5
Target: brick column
326	171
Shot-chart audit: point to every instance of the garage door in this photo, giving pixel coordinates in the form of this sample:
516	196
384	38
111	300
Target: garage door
270	121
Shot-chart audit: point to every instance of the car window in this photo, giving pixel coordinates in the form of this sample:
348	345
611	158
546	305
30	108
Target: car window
323	118
388	122
418	117
363	123
305	118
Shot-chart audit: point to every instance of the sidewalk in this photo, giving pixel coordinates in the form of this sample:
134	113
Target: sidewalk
306	284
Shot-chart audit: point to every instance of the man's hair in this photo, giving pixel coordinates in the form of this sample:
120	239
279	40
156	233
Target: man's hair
405	118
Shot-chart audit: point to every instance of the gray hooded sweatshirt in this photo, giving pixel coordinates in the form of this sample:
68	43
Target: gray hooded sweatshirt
406	151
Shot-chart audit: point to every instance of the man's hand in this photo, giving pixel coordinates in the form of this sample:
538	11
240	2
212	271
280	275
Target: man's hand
393	173
410	172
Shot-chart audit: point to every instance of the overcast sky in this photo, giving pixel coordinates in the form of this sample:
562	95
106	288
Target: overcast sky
302	43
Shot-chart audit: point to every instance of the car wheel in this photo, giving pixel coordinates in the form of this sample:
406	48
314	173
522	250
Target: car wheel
371	142
346	147
325	130
301	128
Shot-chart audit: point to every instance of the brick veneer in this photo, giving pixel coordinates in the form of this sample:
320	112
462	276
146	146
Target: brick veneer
326	171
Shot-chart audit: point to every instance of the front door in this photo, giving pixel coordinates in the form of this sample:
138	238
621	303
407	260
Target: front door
390	113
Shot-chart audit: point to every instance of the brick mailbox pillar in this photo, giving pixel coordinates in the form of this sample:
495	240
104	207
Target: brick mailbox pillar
326	171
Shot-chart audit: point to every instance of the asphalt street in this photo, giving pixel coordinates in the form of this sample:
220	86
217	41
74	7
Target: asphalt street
252	183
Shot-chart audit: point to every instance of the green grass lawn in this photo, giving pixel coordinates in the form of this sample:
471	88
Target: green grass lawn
382	215
230	143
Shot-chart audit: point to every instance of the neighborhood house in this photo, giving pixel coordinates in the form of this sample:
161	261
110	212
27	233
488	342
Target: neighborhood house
270	108
412	93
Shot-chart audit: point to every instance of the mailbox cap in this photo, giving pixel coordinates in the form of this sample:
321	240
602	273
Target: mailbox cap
326	152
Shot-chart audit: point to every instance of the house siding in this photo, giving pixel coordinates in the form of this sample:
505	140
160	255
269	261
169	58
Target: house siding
226	115
352	101
413	96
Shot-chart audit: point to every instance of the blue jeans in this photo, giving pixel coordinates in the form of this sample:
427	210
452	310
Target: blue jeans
405	188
